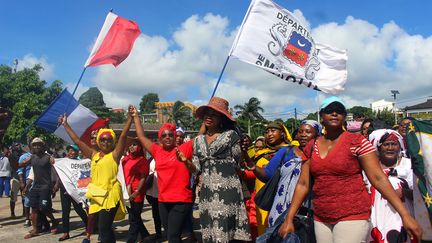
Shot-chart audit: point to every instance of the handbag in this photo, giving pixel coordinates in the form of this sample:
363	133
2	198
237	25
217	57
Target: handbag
96	193
265	196
304	225
303	220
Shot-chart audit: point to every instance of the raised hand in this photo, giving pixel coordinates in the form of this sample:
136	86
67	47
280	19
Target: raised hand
62	120
132	110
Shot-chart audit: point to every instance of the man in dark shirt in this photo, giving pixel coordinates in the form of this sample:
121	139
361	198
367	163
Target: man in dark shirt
42	189
16	152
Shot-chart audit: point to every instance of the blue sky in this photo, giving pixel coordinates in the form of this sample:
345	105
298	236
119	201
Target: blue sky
389	47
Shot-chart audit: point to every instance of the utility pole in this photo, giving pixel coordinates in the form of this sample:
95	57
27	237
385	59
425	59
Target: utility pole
15	65
394	93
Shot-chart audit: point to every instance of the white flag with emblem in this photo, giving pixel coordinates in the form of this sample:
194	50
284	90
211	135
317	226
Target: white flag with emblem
273	39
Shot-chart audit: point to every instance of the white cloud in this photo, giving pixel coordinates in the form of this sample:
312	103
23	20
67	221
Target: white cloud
186	66
29	61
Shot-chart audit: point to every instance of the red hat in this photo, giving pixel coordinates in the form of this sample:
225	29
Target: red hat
167	126
218	104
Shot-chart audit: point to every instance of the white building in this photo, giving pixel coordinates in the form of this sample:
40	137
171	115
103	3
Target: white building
382	105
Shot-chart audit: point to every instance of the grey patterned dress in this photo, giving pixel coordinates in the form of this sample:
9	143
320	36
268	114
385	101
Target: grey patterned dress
222	209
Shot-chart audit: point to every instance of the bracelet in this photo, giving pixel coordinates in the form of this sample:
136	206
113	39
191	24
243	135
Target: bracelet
250	168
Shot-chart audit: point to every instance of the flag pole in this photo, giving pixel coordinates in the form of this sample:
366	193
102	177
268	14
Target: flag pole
79	80
76	87
220	76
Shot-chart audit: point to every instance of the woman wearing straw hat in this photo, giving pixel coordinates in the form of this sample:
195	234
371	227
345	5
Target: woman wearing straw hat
217	155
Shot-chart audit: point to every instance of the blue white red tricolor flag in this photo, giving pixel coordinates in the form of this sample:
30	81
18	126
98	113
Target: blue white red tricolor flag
82	120
273	39
114	42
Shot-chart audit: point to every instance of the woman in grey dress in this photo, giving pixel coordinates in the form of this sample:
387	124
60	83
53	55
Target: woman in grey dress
217	155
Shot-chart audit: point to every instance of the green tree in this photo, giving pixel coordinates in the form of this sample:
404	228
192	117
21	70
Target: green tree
249	114
93	99
385	116
26	96
117	117
361	112
312	116
147	104
180	115
292	124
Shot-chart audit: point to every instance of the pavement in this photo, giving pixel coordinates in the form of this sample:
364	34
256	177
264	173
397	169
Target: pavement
13	230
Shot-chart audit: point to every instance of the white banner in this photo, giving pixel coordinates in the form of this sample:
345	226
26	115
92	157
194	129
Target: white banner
273	39
75	176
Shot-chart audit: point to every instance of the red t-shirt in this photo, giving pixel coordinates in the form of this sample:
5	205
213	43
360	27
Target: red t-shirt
339	192
134	169
173	176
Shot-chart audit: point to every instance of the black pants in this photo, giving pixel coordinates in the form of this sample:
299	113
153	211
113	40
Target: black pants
66	202
153	201
136	224
105	223
174	216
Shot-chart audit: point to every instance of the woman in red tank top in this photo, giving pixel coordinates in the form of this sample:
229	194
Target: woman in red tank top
340	201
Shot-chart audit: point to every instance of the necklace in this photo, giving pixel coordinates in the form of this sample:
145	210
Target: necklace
210	134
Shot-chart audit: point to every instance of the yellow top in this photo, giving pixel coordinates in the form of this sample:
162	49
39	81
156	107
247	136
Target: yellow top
104	175
262	159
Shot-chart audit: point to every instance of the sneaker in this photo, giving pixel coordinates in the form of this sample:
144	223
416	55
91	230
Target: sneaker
27	223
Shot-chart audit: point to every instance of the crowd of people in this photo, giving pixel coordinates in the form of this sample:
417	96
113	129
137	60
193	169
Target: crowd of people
359	185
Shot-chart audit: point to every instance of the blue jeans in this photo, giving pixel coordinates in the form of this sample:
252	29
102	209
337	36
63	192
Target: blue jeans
271	233
5	186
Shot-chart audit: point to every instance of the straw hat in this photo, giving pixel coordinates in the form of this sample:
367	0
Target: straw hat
37	140
218	104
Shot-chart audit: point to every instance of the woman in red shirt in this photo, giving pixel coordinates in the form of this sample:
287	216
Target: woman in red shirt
136	169
340	201
175	193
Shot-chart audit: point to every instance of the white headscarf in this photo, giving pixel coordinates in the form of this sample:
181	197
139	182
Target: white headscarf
376	136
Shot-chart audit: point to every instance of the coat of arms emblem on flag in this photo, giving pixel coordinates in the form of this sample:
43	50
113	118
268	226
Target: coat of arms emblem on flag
297	49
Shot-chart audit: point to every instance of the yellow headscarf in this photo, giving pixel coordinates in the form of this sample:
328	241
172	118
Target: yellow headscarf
104	131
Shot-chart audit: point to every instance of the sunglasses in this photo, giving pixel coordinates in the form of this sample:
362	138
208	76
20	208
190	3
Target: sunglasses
338	109
167	134
105	140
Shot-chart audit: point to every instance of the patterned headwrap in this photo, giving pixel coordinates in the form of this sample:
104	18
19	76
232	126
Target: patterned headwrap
378	137
283	128
105	131
167	126
313	124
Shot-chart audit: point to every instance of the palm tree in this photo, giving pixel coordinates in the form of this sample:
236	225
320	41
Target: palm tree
250	112
178	114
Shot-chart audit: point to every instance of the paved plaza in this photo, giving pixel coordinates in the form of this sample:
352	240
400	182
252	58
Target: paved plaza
12	230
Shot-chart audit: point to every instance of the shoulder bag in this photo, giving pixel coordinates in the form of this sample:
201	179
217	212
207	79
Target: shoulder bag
265	196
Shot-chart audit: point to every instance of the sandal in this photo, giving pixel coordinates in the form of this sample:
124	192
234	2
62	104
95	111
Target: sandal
64	237
30	235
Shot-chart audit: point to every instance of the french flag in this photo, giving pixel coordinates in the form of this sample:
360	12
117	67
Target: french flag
82	120
114	42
